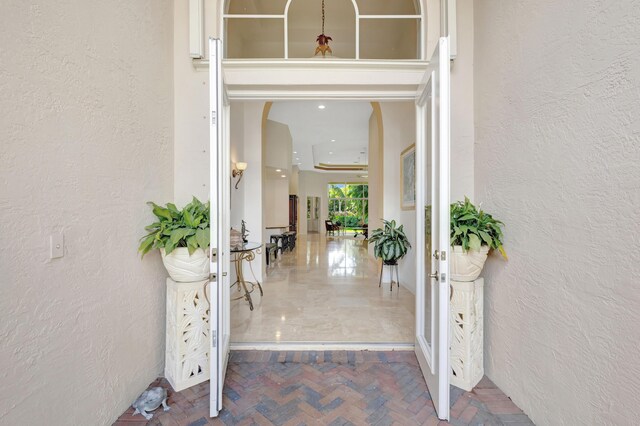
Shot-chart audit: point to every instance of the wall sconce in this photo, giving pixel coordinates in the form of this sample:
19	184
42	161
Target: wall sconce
237	172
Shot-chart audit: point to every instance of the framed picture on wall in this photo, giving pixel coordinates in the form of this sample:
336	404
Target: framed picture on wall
408	178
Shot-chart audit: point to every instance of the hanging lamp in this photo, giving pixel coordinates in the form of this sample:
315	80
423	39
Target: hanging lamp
323	40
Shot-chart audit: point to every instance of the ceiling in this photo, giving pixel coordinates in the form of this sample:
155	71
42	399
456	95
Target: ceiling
335	135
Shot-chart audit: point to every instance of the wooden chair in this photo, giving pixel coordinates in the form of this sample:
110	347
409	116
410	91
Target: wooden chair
271	248
331	227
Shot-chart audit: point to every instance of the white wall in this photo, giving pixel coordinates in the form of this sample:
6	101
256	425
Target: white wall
278	146
315	184
376	174
86	129
557	154
462	114
294	180
276	202
246	146
191	110
236	154
399	134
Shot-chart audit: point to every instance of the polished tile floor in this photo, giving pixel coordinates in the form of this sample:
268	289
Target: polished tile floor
326	290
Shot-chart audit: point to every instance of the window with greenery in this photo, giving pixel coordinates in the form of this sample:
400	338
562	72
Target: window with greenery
349	204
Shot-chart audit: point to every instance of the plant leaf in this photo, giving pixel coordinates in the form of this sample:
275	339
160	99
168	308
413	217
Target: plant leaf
474	242
202	237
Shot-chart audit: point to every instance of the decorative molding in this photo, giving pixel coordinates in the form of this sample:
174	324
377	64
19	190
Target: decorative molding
331	79
341	167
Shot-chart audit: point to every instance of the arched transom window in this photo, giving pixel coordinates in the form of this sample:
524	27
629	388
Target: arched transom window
360	29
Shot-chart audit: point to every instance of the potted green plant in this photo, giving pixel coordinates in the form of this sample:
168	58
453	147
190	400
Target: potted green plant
183	239
391	243
473	233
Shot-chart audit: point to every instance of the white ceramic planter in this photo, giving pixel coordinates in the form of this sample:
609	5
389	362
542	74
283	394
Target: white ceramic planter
466	356
466	266
187	334
185	268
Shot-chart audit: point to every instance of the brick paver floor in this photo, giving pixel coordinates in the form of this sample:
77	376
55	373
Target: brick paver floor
329	388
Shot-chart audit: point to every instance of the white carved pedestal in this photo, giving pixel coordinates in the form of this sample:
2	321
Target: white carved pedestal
187	340
467	363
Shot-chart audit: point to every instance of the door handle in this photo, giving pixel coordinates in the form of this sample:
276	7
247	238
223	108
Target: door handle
434	275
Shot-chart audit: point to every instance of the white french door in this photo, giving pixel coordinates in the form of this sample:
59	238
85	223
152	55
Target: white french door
432	208
220	186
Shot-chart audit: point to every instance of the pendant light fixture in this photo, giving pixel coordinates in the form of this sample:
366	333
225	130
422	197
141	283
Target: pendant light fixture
323	40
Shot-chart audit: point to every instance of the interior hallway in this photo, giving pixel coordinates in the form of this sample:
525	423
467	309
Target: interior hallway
326	290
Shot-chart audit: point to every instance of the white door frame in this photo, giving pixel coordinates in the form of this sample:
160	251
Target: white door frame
432	346
219	260
372	93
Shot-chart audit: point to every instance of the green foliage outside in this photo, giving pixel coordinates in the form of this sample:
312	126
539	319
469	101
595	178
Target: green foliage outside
348	204
188	227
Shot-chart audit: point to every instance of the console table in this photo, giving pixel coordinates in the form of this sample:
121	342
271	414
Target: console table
245	253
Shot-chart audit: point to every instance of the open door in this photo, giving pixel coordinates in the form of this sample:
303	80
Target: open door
220	186
432	208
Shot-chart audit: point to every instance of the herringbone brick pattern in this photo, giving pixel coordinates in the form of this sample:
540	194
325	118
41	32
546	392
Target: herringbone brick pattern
329	388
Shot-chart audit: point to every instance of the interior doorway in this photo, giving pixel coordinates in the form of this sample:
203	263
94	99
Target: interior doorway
328	288
313	215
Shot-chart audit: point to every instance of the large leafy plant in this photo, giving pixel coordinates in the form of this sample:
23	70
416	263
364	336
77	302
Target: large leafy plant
472	228
391	242
188	227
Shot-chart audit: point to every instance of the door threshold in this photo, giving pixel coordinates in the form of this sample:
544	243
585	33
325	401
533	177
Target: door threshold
321	346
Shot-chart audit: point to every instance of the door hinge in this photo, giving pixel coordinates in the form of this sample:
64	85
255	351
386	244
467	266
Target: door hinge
214	339
213	118
443	278
443	255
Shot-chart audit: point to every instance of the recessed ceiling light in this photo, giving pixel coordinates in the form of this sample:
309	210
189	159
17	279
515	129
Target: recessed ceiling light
333	140
299	164
330	152
297	159
328	162
278	170
283	175
295	152
321	107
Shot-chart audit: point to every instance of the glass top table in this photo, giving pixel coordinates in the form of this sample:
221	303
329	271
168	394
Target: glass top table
248	246
245	253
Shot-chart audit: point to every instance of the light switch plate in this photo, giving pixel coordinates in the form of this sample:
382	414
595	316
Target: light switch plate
56	246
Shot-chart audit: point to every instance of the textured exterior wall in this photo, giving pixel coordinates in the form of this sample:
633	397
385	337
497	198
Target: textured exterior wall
557	89
86	139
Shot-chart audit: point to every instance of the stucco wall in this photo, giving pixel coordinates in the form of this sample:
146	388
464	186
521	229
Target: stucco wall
86	130
557	109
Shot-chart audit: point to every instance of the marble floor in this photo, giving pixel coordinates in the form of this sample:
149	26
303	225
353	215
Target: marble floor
326	290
